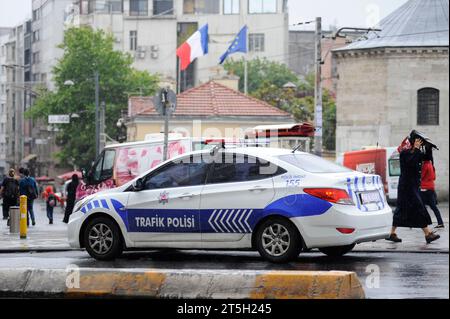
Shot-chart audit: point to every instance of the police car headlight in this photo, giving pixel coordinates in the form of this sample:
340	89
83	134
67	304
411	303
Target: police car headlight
79	205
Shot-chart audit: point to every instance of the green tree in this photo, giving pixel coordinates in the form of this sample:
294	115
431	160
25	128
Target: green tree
85	52
266	80
261	72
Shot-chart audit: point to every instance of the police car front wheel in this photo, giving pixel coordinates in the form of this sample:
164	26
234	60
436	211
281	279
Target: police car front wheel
102	239
278	240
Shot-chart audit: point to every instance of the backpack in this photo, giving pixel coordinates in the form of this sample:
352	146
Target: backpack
51	200
10	191
30	190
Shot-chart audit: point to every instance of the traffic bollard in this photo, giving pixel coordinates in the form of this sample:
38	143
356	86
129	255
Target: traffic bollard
23	217
14	220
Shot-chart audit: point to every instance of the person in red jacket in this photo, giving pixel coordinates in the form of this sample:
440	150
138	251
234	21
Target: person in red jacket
427	191
51	200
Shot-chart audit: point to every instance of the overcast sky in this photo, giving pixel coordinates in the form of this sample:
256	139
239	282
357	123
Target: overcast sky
349	13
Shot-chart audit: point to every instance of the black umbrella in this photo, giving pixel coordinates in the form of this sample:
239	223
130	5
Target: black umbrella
427	141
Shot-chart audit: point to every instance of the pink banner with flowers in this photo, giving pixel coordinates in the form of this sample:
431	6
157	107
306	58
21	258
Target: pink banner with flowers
132	161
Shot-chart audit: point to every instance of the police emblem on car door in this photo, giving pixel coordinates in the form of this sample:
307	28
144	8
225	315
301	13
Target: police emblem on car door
167	206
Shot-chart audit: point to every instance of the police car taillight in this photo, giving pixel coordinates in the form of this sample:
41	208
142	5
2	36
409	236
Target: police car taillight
332	195
346	231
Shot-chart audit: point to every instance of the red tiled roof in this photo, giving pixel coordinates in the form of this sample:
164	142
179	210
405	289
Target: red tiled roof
209	99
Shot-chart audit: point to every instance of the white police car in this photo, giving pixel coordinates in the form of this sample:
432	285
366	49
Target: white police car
272	200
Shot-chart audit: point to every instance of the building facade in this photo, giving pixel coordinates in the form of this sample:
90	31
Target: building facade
48	25
14	88
4	36
152	30
302	55
397	80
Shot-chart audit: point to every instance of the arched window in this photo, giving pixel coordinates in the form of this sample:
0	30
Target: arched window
428	106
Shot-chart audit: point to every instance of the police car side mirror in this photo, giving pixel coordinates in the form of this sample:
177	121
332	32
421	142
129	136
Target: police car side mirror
138	185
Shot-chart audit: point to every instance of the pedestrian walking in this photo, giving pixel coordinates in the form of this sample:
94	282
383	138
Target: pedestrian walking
9	191
51	200
71	197
427	191
410	211
29	188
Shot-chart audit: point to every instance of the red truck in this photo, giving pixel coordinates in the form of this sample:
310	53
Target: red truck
381	161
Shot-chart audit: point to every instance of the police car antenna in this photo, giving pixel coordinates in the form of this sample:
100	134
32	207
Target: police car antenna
216	149
296	148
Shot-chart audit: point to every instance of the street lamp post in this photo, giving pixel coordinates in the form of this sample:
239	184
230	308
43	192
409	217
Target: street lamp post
99	113
318	110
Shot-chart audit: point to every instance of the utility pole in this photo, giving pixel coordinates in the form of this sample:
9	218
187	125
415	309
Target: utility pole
318	110
97	114
102	135
165	102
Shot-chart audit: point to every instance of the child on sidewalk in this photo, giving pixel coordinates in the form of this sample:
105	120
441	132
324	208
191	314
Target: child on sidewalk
51	200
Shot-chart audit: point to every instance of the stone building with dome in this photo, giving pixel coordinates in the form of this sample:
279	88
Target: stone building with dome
396	80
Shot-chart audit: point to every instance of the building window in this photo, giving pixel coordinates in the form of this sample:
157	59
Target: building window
116	6
36	36
163	7
36	14
262	6
428	106
201	7
36	57
139	7
133	40
256	42
231	6
285	6
27	57
105	6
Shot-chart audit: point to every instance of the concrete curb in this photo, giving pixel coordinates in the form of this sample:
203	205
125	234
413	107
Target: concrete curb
37	250
179	284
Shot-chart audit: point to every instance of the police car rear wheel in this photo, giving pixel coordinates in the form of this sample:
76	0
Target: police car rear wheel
102	239
338	251
278	240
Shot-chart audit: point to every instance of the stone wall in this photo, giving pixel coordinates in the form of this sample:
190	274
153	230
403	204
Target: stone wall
377	99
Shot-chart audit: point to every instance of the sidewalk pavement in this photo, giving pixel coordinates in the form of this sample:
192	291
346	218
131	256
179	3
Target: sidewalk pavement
45	237
414	239
41	237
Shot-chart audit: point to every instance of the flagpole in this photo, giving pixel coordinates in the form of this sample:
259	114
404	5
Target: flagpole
179	76
245	76
246	64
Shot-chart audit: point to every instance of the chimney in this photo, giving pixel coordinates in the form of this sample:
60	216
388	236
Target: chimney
228	80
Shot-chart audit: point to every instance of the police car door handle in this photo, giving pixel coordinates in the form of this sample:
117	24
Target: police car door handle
186	196
257	189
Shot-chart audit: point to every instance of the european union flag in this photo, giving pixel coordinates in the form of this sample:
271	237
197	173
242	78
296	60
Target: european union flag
239	44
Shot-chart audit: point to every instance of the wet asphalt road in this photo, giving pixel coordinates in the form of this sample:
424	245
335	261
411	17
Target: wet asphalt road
401	275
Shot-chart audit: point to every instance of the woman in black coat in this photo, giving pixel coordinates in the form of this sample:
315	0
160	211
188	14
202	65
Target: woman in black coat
411	211
71	196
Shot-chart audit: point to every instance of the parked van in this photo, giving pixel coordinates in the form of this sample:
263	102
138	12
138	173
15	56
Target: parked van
380	161
121	163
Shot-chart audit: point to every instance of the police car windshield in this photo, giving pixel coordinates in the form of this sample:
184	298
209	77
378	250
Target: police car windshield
313	164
